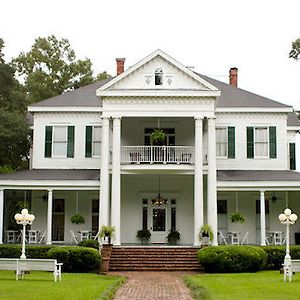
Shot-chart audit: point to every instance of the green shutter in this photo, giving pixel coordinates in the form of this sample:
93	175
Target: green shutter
292	156
70	146
88	141
231	142
48	141
250	142
272	142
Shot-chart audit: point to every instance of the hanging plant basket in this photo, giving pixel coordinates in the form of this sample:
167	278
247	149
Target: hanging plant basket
77	219
158	136
237	218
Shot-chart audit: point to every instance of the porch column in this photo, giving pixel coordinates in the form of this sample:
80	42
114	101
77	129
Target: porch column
116	181
104	178
212	216
1	214
262	219
198	181
49	217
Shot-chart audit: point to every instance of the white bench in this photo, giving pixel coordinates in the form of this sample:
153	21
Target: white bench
30	264
295	267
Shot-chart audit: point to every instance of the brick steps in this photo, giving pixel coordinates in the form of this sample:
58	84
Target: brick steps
154	259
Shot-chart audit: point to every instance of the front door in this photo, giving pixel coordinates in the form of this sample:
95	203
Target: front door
159	226
58	220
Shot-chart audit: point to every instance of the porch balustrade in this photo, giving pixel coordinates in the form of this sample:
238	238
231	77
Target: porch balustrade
157	154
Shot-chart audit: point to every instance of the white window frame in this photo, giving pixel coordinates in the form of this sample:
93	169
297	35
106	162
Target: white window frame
255	142
54	127
223	143
96	141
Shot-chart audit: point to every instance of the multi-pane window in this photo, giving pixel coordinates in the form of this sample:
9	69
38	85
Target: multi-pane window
261	141
95	216
92	141
59	141
222	141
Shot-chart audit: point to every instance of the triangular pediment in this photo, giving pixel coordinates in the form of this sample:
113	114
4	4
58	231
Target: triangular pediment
142	76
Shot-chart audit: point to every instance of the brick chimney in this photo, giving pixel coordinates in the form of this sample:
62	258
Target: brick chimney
120	65
233	76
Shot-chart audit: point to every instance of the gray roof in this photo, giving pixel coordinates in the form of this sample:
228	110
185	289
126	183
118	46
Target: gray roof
84	96
293	120
53	174
235	97
258	175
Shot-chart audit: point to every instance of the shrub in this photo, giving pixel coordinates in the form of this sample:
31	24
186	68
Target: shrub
276	254
76	259
32	251
232	259
90	244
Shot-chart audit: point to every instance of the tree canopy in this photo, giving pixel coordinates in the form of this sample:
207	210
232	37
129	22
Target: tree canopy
14	129
295	52
51	68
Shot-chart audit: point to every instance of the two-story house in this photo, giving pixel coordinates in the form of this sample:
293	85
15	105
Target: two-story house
224	150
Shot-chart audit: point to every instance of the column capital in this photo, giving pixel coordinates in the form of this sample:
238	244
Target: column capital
1	189
50	190
198	118
262	191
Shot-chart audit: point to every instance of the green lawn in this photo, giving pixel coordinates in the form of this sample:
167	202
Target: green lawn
257	286
40	286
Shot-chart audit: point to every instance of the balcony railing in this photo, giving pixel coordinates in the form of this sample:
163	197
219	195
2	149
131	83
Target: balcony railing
157	154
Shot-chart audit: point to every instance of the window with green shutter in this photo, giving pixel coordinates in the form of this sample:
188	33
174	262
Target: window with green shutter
250	142
231	142
292	150
272	142
88	141
70	143
48	141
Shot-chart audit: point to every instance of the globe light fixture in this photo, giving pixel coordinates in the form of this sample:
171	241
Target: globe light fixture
287	218
24	218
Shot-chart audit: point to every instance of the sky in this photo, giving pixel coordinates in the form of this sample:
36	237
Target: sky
254	36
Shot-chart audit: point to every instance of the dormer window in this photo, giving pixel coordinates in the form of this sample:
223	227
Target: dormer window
158	76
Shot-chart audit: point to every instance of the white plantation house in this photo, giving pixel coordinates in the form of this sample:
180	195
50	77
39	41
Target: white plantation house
225	150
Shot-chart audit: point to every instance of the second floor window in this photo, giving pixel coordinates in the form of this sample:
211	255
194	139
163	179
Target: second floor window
59	141
158	76
225	139
92	141
261	142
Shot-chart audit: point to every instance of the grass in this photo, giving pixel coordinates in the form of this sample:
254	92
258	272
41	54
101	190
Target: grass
246	286
41	286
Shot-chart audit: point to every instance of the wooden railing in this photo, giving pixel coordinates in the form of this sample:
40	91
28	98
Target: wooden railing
157	154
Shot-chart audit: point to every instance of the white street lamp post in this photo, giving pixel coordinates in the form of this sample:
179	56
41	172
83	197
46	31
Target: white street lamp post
288	218
24	218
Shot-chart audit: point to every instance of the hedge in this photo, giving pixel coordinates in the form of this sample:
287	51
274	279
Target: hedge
90	243
76	259
276	254
232	259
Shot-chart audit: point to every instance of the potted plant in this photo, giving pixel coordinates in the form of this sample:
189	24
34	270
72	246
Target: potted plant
206	234
173	237
237	217
158	136
77	219
107	232
144	235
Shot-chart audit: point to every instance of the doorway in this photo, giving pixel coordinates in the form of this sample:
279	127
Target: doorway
58	220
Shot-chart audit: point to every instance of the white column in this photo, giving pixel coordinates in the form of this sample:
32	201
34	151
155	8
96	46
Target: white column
104	175
49	217
116	181
198	181
1	214
212	216
262	219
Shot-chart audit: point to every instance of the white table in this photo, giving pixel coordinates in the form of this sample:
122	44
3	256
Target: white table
274	237
11	236
85	234
234	237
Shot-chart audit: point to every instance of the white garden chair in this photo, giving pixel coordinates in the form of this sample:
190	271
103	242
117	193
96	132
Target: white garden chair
74	237
245	239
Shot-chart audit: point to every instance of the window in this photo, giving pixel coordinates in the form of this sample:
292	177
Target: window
267	207
92	141
95	216
222	206
225	142
158	76
261	142
292	152
59	141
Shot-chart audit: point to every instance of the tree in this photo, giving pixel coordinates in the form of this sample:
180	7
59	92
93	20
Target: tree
103	75
50	68
295	52
14	129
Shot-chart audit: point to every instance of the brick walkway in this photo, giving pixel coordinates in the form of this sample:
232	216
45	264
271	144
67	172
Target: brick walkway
153	285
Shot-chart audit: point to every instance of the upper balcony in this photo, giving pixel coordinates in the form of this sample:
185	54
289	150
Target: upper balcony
159	155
